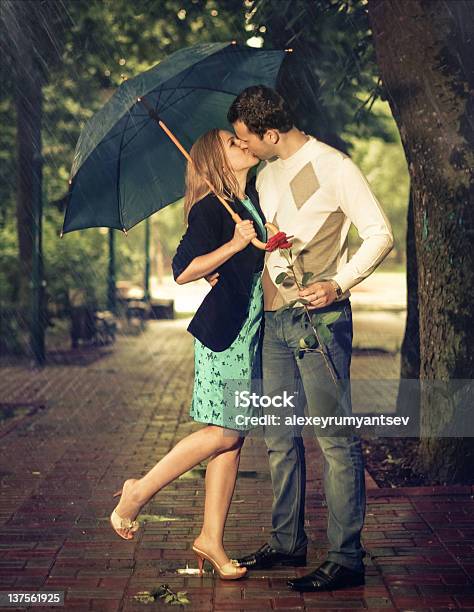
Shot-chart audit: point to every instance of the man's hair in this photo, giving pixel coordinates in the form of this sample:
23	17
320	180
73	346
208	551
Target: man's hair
261	108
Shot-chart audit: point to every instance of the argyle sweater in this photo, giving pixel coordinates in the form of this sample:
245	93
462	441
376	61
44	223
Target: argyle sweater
315	195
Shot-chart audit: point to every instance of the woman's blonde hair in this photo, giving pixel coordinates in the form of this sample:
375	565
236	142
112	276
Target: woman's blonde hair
209	161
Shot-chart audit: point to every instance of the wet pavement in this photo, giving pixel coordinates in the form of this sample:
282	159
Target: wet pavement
113	416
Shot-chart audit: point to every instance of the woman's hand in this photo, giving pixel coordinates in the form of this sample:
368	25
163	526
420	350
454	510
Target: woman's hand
212	278
205	265
243	234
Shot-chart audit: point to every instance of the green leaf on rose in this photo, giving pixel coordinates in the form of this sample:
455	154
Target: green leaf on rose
308	341
306	277
322	321
302	344
324	333
280	278
287	306
329	317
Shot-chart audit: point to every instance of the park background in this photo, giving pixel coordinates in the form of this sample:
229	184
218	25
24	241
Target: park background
388	82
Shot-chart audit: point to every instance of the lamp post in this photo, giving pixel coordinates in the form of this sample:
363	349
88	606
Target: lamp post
111	290
147	259
37	322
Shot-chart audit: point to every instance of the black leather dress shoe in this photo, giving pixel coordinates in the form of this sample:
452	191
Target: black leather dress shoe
329	576
267	557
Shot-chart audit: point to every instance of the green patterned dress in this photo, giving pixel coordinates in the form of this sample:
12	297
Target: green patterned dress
216	373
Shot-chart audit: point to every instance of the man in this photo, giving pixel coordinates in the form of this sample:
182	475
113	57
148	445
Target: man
312	192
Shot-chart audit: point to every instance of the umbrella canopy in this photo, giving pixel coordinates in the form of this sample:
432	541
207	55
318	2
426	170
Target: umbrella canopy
125	166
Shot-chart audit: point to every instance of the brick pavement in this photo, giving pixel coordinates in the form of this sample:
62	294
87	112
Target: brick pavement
113	419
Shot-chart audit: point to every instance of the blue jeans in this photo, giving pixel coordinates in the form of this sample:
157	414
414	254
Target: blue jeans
344	483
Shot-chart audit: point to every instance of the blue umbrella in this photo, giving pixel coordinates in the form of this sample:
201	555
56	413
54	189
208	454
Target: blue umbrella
127	163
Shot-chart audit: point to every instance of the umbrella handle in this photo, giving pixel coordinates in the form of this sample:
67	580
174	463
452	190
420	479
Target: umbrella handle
272	229
154	115
255	241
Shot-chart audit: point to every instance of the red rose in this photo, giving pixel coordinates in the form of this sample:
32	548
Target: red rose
278	241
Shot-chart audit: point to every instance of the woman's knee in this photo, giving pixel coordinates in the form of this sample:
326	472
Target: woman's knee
226	439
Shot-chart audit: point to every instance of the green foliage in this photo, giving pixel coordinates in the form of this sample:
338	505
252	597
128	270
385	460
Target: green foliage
385	167
9	264
168	227
7	159
79	260
85	49
333	66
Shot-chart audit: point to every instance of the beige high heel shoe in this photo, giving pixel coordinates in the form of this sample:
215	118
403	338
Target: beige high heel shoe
227	571
118	522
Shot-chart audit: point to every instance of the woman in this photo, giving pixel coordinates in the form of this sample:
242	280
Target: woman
226	330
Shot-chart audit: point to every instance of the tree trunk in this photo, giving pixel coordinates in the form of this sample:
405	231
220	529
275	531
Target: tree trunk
424	51
408	400
410	357
28	109
20	18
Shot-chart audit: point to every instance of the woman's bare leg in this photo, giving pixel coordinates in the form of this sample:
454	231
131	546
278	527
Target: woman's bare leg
187	453
221	476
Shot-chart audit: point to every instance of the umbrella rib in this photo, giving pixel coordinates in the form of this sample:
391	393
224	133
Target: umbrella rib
184	76
146	122
112	136
156	109
142	127
165	108
119	163
185	95
200	88
161	111
167	91
186	73
172	89
158	97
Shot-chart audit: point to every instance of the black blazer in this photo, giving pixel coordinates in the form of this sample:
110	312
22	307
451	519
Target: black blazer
220	317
